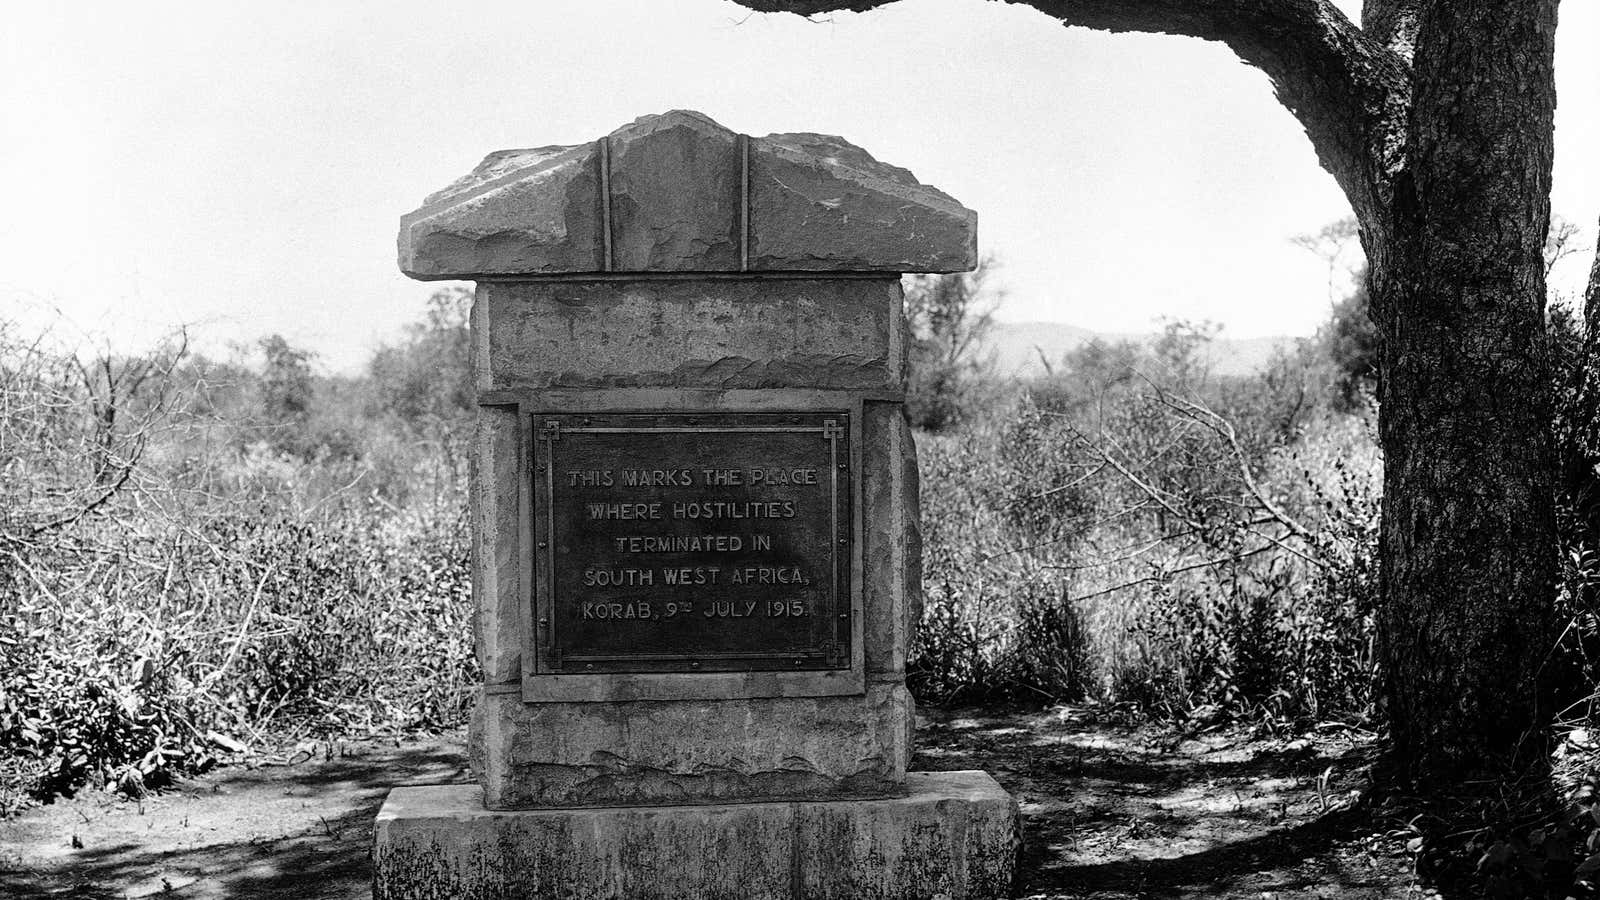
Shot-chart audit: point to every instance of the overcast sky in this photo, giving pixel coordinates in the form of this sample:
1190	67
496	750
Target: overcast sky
241	168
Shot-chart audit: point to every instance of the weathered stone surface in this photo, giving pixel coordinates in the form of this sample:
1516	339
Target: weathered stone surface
439	843
891	539
575	754
496	564
683	194
818	202
817	333
493	491
675	187
521	211
954	836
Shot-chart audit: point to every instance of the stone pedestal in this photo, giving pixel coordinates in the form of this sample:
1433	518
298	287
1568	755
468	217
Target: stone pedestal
952	835
696	550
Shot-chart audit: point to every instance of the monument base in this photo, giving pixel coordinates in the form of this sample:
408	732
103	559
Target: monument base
955	836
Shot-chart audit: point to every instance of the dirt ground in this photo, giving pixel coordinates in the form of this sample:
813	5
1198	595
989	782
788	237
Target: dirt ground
1110	812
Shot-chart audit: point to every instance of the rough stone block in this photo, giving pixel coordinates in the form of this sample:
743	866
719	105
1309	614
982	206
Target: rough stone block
818	202
657	224
525	211
816	333
690	751
955	836
679	193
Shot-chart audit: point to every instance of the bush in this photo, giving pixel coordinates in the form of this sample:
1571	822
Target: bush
179	570
1135	530
992	628
948	317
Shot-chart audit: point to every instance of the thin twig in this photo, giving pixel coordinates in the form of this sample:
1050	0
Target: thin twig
244	627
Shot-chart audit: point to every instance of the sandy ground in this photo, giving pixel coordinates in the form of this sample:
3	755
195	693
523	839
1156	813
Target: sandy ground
1110	812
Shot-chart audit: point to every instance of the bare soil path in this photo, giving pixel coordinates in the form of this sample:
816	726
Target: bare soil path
297	829
1110	812
1113	812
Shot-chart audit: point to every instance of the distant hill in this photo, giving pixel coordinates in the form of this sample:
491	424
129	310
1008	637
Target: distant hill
1017	347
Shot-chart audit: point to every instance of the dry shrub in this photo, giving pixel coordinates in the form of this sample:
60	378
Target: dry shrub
1136	531
175	581
995	623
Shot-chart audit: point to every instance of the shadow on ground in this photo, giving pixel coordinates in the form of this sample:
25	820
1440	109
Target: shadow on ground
284	831
1119	812
1110	812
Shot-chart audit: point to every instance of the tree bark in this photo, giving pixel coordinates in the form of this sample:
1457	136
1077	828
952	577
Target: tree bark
1457	280
1435	118
1591	294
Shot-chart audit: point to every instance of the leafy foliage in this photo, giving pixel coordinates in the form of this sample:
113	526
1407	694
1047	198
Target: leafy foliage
1350	341
948	317
285	382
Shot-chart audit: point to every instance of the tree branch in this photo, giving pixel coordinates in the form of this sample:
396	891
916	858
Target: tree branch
1392	24
1224	429
106	494
1163	574
1349	91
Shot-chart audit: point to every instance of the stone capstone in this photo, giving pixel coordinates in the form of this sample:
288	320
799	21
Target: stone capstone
954	836
678	192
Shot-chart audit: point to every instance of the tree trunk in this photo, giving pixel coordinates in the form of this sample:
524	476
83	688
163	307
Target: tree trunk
1436	118
1591	294
1457	276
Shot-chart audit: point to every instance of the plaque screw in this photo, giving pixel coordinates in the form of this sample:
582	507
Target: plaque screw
841	540
694	665
588	665
799	662
539	467
542	545
844	465
543	621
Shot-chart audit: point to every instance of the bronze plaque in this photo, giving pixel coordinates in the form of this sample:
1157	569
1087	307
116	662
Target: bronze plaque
691	542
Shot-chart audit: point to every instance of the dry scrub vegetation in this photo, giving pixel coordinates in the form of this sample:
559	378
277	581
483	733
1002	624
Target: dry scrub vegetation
201	555
1135	530
197	554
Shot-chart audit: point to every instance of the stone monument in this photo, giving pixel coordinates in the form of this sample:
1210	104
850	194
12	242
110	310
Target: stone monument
694	514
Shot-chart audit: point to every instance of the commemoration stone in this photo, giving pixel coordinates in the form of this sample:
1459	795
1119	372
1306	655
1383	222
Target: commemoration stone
696	552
